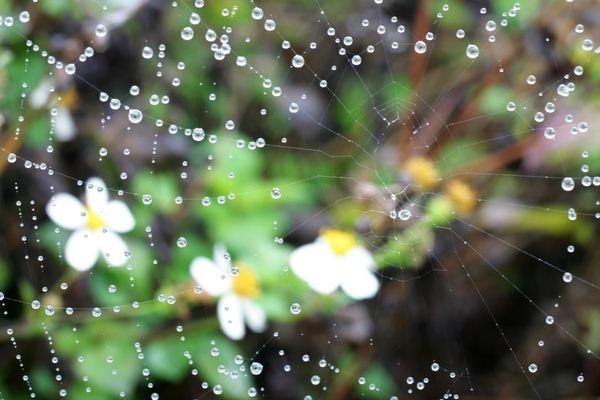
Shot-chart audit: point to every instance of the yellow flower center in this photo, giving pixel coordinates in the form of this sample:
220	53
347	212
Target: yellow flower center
339	241
94	219
422	171
68	98
245	283
462	197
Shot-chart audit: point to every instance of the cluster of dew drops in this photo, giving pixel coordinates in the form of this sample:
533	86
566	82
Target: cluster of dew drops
571	126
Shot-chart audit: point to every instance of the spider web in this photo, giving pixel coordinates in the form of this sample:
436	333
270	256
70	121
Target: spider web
303	84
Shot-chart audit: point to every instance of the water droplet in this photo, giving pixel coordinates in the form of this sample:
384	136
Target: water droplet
135	116
24	17
295	309
257	13
549	133
563	90
472	51
256	368
187	33
270	25
532	368
101	30
70	69
567	184
420	47
298	61
147	53
404	215
198	134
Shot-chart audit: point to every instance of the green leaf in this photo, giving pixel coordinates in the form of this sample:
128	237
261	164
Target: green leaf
354	105
44	382
109	360
378	376
494	100
233	388
165	358
529	10
104	276
592	339
439	211
460	153
162	187
59	7
407	250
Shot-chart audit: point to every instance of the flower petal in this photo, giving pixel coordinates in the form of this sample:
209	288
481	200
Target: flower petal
113	248
96	194
118	217
357	279
66	211
222	257
255	316
41	94
231	317
81	250
210	276
64	126
316	264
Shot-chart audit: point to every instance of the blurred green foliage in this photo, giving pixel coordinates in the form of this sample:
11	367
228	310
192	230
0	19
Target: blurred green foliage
247	224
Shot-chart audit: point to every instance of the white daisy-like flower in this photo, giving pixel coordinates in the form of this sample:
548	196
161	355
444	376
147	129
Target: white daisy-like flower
236	288
96	225
335	259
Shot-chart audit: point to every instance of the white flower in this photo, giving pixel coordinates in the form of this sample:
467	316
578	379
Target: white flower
64	126
236	288
335	260
95	225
